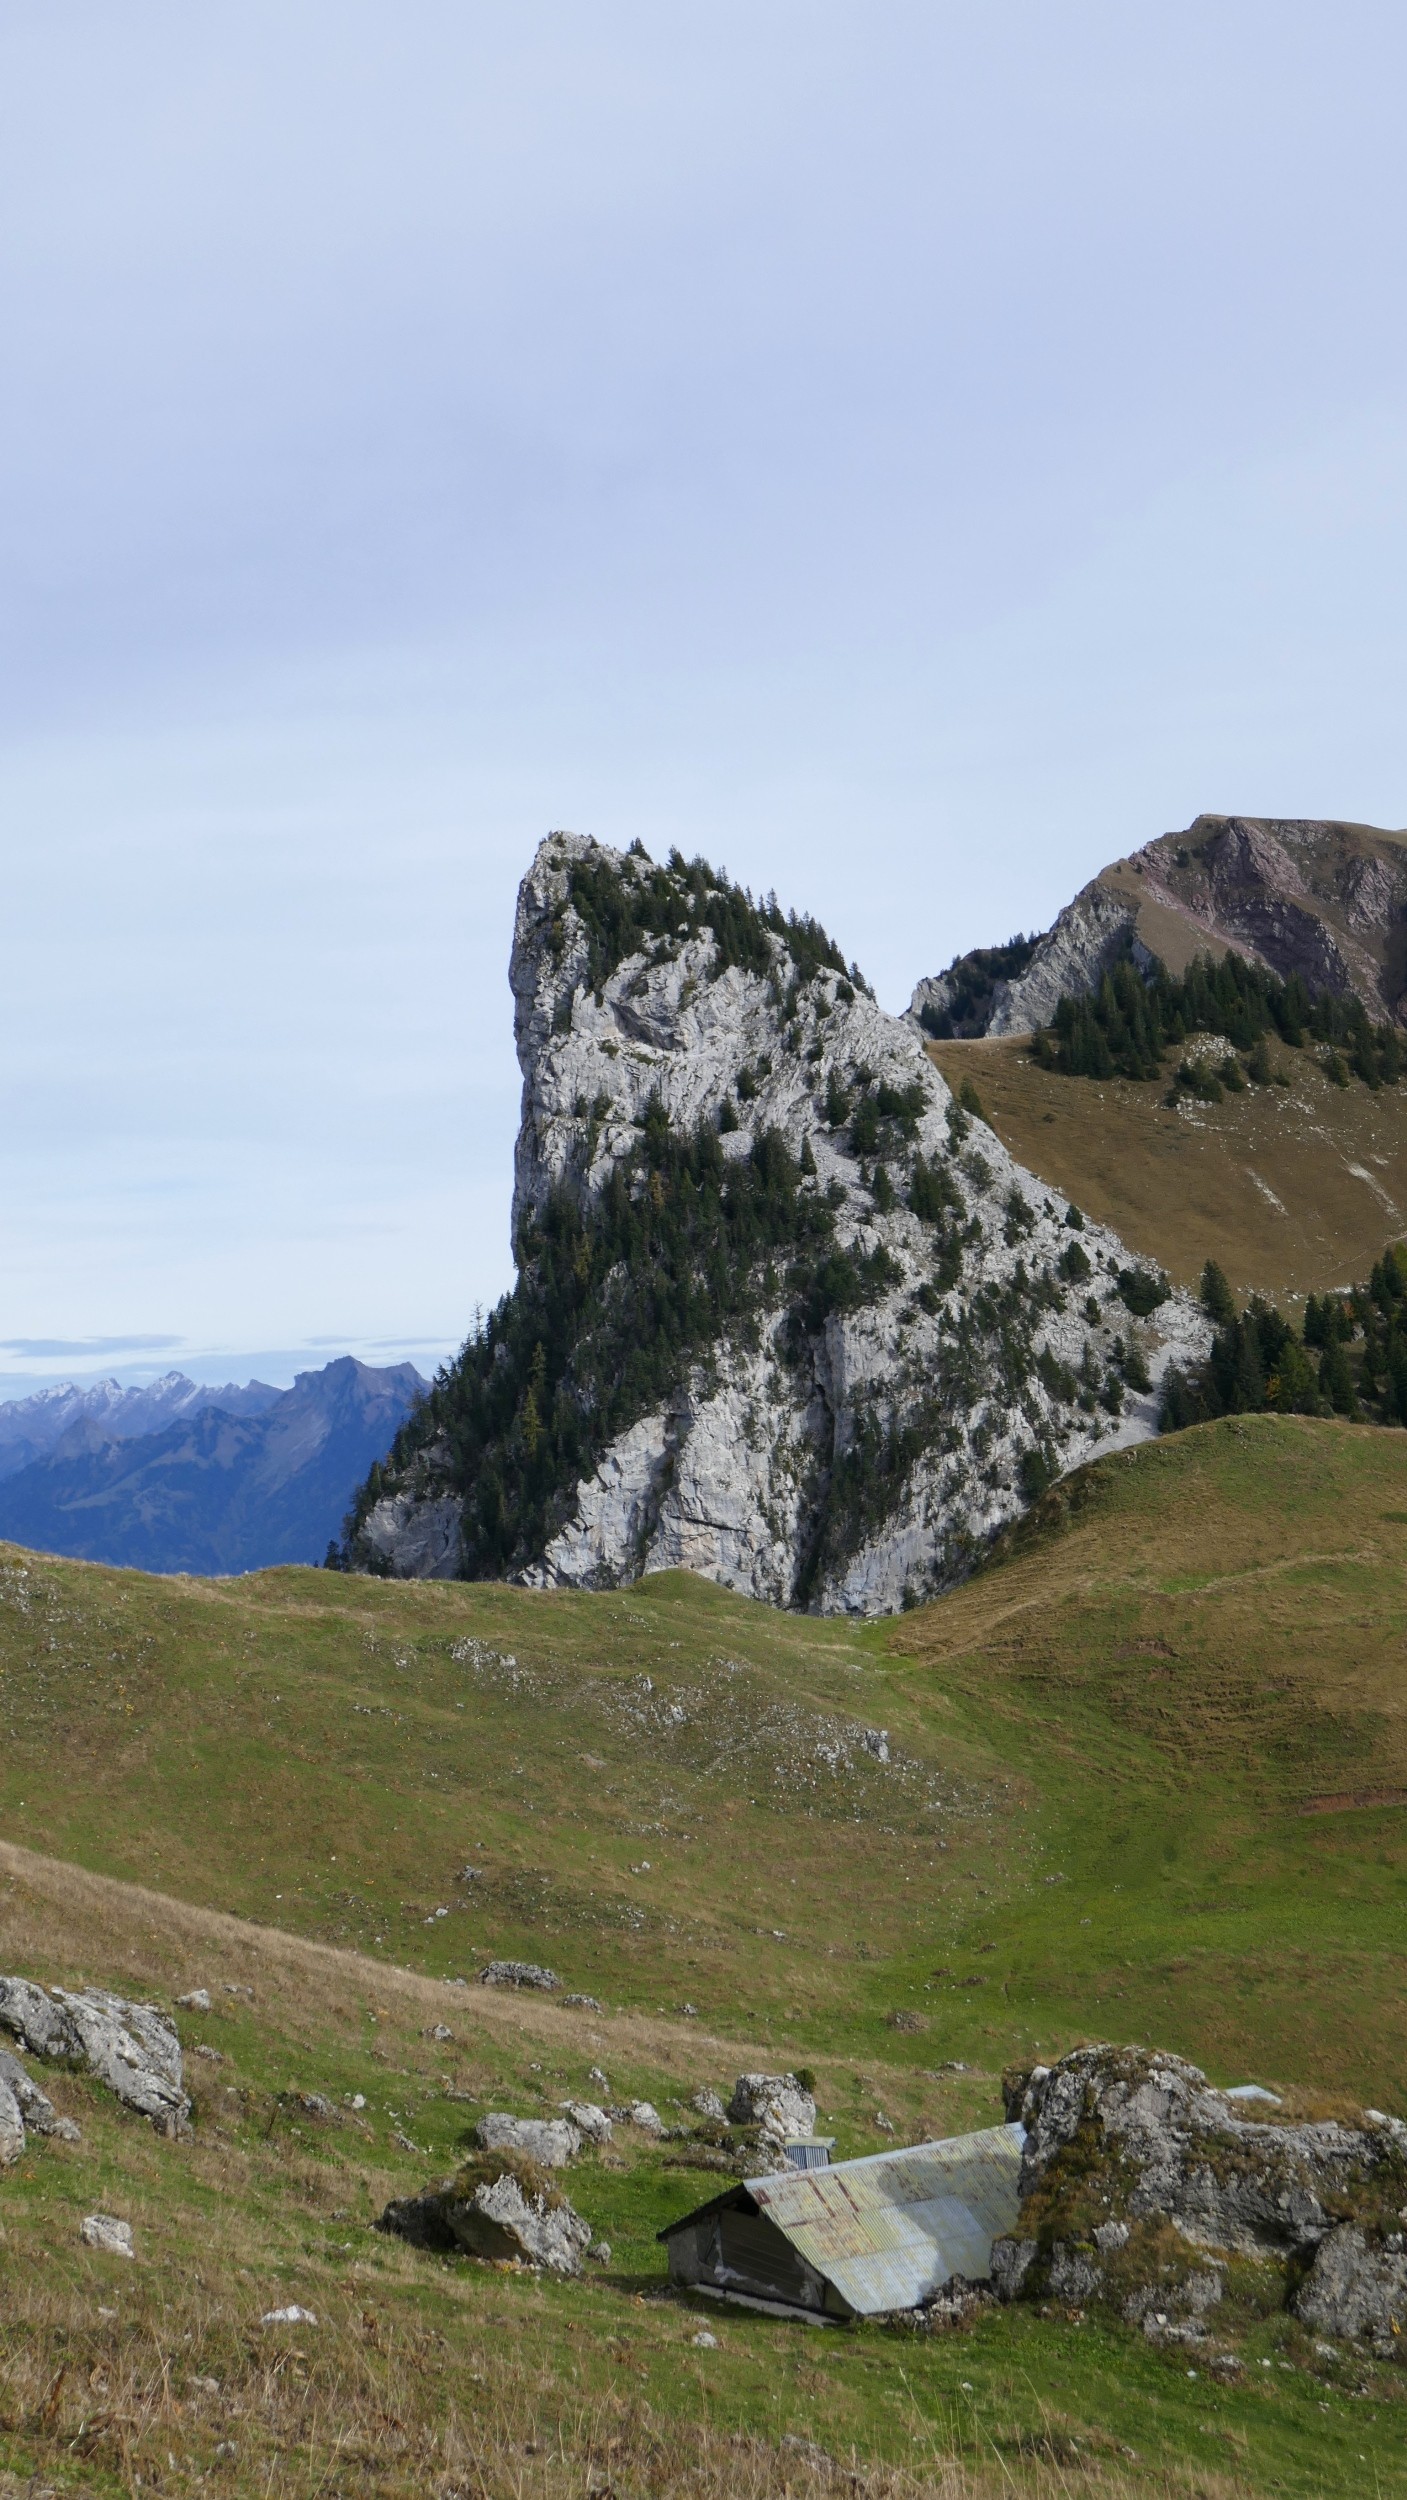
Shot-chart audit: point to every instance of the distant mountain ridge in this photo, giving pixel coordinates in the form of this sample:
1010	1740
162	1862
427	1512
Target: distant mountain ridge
217	1489
70	1418
1316	897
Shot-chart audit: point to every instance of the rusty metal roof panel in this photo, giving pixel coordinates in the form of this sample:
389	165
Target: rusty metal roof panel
889	2229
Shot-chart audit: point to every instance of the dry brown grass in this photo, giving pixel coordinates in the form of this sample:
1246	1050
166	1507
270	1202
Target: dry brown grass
1291	1189
174	2399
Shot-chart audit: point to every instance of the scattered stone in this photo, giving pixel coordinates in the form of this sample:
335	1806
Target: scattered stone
778	2104
439	2031
594	2075
876	1742
589	2005
885	2125
499	2212
599	2251
356	2100
212	2057
316	2105
133	2049
641	2114
106	2232
237	1988
550	2141
905	2019
589	2121
704	2342
690	2013
518	1975
292	2315
709	2105
195	2001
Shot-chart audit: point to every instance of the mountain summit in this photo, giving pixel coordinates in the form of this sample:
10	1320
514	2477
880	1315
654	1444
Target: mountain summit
1301	896
787	1313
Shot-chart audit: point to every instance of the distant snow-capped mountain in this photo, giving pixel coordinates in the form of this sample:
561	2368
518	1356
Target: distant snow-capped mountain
213	1489
69	1419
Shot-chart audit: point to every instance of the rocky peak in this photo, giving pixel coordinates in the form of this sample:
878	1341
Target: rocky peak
786	1313
1308	896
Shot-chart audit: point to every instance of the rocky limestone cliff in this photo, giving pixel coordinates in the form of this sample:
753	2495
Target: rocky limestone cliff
786	1315
1325	900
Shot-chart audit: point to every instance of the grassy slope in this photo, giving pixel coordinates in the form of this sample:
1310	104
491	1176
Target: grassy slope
1168	1694
1292	1188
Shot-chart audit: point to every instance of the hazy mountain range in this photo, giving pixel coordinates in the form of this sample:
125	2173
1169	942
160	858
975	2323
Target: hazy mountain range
180	1477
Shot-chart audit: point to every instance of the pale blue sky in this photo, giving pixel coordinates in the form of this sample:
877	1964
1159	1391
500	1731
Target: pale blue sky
911	454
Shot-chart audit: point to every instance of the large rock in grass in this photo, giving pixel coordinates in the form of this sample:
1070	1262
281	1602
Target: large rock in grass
1141	2185
499	2206
551	2142
133	2049
777	2104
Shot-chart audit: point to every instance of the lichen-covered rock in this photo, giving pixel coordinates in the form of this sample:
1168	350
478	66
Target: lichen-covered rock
1141	2183
34	2106
551	2141
590	2121
108	2233
1357	2287
498	2212
133	2049
519	1975
39	2022
11	2127
641	2114
850	1397
778	2104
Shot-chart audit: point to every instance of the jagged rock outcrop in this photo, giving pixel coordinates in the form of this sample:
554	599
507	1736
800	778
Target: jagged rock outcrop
1325	900
1141	2185
786	1315
133	2049
500	2207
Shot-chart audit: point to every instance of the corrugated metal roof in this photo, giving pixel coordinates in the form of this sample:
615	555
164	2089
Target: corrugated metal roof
889	2229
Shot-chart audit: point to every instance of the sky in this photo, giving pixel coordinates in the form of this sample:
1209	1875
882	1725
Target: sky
911	454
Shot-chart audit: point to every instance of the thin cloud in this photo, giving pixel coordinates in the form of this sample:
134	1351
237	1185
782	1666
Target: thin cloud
83	1345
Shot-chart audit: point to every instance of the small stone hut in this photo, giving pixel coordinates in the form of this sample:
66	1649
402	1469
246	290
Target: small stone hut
859	2237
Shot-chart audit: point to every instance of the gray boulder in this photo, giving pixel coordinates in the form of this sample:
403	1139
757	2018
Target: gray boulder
507	2217
590	2122
641	2114
11	2127
1139	2179
518	1975
1357	2287
38	2022
552	2142
35	2107
777	2104
133	2049
108	2233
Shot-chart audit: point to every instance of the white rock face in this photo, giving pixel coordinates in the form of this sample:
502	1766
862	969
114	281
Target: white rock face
1088	937
867	1464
